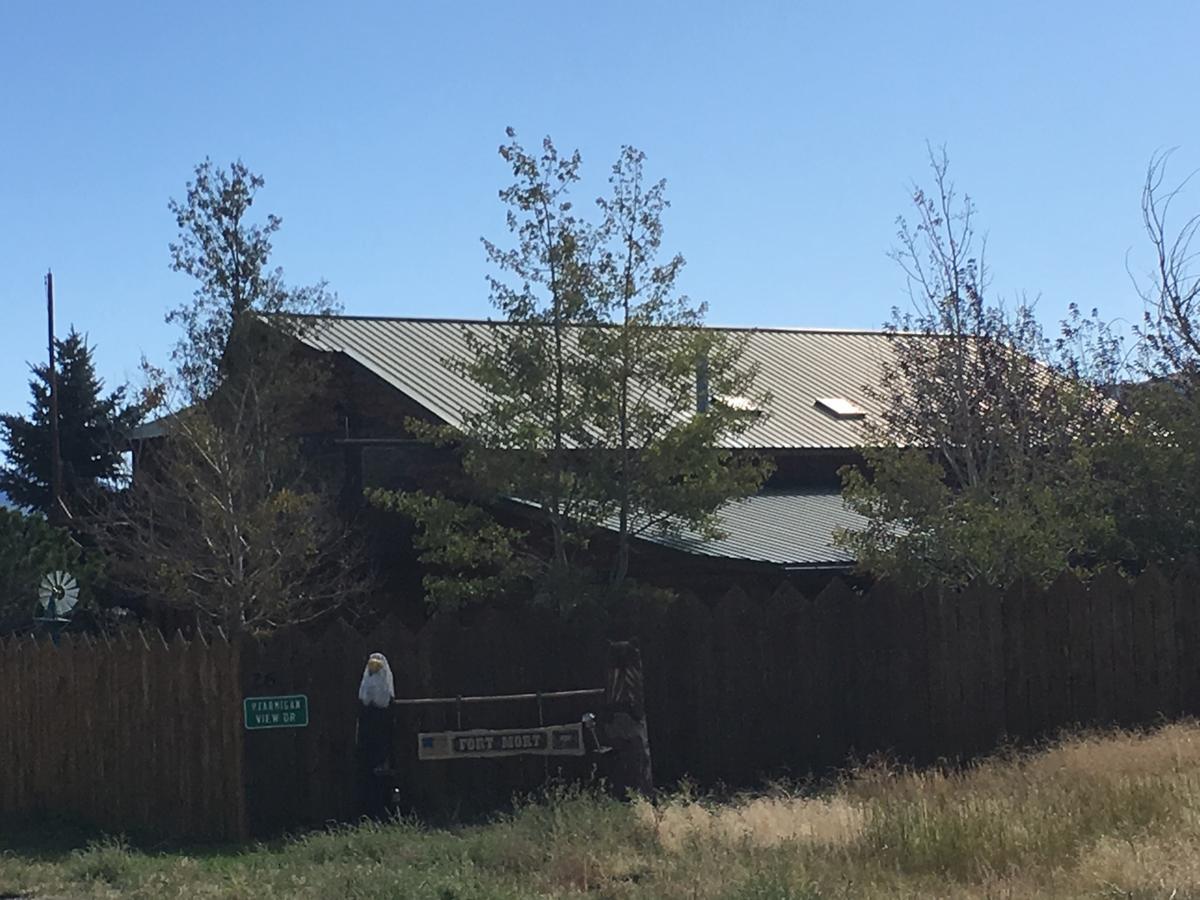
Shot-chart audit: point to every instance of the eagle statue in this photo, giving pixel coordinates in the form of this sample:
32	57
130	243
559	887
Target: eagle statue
375	694
377	687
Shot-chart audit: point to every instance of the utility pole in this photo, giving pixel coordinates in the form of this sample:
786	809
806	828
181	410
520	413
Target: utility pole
56	505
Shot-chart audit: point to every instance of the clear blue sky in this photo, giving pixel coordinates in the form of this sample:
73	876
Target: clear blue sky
788	133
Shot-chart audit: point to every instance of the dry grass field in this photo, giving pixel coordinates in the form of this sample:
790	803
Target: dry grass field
1105	816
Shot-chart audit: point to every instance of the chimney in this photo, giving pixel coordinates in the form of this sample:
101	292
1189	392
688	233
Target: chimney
703	394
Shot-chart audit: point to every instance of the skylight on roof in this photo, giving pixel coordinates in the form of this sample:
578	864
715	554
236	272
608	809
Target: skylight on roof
840	408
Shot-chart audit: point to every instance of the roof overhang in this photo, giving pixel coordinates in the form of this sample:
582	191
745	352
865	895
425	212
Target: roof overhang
789	529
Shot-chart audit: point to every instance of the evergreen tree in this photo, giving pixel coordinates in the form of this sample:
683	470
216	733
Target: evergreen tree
91	423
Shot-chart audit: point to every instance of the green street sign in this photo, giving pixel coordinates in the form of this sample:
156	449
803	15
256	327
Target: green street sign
290	711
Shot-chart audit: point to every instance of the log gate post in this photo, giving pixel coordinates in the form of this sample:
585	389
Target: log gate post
624	721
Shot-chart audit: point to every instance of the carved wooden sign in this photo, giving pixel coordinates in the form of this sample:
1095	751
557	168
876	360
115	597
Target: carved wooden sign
553	740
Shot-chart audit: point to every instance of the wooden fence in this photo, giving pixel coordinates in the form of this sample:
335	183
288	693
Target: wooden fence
146	734
132	734
747	687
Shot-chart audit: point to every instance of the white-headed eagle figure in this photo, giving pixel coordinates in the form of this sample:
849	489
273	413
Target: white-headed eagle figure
377	688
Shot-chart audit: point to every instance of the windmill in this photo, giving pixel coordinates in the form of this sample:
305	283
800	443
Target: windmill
57	596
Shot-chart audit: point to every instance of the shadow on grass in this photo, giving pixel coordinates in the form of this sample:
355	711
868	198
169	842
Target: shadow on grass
51	839
44	839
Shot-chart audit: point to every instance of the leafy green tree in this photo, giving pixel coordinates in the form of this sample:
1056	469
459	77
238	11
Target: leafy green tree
92	426
1151	467
528	437
661	465
529	370
589	418
471	558
982	463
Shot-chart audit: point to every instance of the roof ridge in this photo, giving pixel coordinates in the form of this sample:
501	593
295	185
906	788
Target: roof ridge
436	320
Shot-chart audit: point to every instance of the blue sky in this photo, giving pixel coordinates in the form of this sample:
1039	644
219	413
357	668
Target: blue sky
788	133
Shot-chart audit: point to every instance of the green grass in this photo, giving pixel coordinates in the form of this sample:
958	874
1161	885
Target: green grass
1095	816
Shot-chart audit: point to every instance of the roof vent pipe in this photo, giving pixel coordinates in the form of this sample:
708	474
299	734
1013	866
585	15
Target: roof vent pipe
703	394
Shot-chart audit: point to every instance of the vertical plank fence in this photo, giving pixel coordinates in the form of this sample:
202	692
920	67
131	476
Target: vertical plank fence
131	735
144	732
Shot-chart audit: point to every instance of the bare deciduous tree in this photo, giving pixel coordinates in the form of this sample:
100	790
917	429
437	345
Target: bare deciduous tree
225	517
1171	326
224	520
228	254
975	465
971	378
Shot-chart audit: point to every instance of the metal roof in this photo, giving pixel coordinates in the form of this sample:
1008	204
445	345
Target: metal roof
784	527
797	367
155	428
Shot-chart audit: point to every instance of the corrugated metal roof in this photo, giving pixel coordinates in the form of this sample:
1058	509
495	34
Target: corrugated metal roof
792	528
797	366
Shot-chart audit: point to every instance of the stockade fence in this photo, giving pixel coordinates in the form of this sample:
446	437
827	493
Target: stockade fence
141	733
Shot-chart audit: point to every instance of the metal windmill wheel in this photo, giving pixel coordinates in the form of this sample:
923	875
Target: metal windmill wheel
57	596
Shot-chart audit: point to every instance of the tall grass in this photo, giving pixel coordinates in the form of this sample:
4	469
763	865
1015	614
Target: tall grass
1105	816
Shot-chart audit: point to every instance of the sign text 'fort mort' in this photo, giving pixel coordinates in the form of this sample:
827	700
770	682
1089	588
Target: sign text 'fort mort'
554	740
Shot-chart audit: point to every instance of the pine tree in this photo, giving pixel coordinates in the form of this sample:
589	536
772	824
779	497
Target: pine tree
91	423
